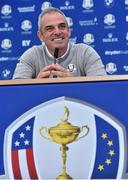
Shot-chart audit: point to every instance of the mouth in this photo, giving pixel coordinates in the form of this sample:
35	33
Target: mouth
57	39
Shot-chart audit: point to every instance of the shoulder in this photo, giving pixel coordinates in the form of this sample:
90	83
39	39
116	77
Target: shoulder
81	46
32	53
83	49
34	49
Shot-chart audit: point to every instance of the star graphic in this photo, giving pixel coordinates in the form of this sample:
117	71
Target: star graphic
17	143
110	143
111	152
108	161
26	142
104	135
28	128
101	167
22	135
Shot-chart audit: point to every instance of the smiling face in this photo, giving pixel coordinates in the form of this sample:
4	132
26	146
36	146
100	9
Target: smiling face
54	32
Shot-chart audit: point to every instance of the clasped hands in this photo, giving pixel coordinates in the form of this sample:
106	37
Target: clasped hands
53	70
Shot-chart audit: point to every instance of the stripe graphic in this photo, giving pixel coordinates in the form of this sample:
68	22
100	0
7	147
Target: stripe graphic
22	157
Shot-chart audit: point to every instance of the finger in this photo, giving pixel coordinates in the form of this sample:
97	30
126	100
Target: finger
47	68
44	74
57	67
60	73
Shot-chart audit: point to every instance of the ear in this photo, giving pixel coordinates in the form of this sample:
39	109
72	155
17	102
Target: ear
40	36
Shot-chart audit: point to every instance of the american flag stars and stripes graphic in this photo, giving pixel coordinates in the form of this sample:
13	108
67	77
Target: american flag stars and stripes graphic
22	157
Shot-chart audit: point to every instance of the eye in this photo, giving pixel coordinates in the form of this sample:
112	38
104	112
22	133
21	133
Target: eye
49	28
62	26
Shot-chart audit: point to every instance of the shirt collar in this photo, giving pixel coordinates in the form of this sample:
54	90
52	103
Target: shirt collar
50	55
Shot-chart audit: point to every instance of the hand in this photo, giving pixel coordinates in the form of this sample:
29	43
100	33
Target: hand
59	71
53	70
45	72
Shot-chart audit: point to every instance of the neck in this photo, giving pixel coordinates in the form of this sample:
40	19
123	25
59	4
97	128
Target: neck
61	52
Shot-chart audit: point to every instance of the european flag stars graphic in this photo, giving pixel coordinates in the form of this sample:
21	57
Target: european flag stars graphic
107	151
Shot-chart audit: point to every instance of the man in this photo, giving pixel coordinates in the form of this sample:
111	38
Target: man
73	59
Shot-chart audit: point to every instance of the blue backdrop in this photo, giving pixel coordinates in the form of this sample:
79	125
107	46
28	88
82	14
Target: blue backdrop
101	24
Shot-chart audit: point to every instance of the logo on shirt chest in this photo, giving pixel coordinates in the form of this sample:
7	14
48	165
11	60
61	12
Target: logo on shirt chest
71	68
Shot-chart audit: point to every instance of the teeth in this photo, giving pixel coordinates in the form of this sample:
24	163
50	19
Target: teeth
58	39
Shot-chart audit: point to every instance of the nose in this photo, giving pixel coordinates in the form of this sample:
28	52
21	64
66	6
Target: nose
56	30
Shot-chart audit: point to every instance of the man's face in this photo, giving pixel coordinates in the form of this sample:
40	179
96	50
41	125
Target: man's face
55	31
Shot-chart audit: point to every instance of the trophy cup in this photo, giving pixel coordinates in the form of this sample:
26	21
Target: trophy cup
64	133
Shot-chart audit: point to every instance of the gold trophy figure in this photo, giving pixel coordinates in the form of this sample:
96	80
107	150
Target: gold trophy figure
64	133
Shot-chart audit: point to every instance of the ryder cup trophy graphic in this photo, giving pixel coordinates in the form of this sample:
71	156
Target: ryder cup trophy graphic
64	133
